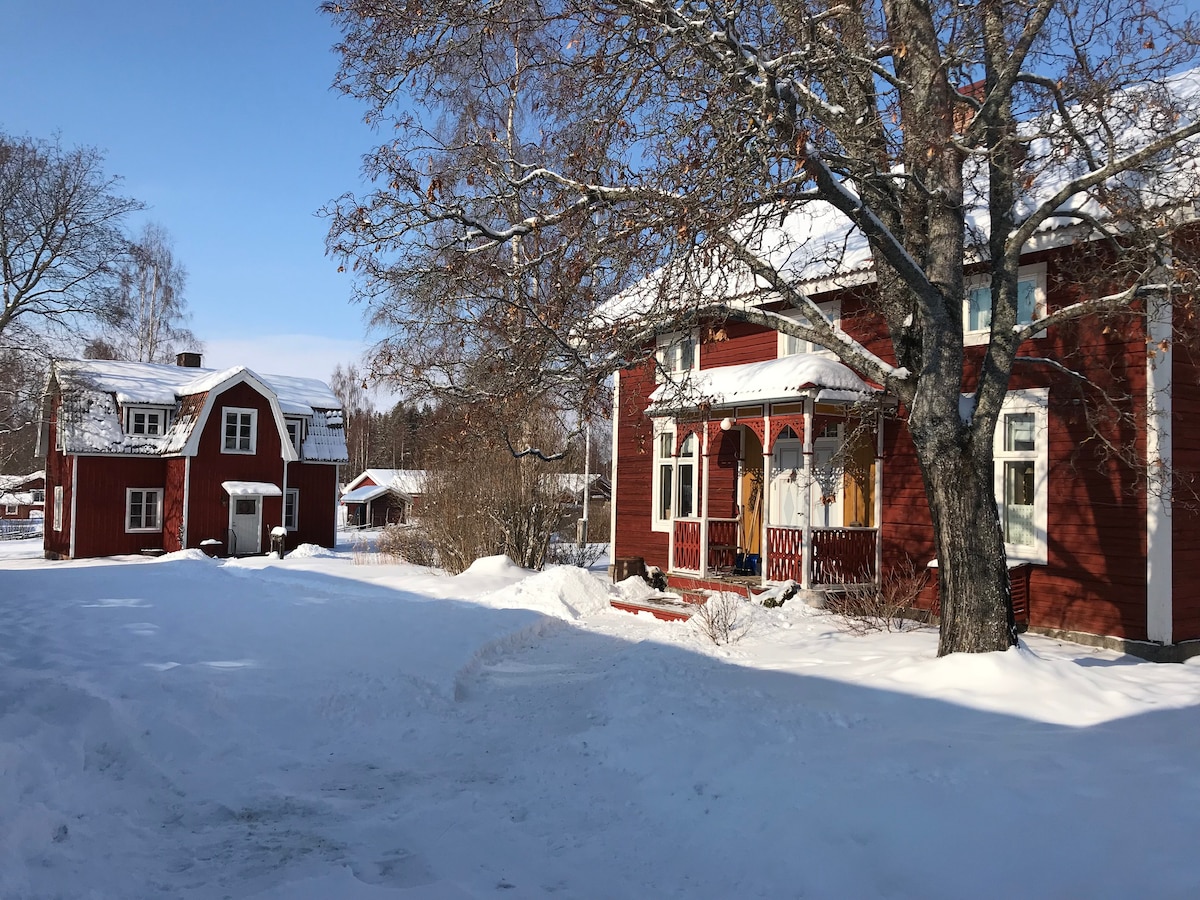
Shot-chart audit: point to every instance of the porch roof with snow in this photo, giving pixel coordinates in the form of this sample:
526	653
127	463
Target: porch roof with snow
366	493
787	378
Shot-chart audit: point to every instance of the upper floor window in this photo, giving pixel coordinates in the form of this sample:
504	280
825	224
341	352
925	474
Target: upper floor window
143	509
977	305
789	345
295	430
1021	457
145	421
676	353
39	496
241	430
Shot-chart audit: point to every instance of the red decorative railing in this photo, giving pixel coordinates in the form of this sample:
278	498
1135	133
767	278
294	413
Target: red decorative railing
785	553
722	543
687	544
843	556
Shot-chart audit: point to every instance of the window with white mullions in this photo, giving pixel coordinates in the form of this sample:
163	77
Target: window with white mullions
1020	469
664	479
686	478
789	345
676	354
240	434
977	305
143	509
291	509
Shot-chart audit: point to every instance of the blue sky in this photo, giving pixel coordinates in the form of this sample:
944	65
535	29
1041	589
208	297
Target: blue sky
219	115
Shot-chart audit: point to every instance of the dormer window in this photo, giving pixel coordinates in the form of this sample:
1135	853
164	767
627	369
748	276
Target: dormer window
295	430
240	433
146	421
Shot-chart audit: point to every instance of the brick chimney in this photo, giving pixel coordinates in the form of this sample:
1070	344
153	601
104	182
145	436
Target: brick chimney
188	360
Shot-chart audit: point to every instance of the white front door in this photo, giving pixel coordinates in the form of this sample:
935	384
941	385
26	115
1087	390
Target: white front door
827	486
787	483
245	521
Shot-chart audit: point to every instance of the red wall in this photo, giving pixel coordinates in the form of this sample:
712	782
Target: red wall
1094	580
317	519
58	473
100	504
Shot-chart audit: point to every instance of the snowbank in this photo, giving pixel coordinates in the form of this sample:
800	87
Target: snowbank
565	592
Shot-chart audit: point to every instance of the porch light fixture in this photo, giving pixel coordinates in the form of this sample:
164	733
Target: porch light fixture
727	423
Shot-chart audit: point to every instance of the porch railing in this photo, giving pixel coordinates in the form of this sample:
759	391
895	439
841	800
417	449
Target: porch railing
687	544
785	553
843	556
722	544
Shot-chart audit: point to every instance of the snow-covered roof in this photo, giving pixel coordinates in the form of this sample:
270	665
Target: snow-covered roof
11	482
251	489
93	392
787	378
404	481
817	247
366	493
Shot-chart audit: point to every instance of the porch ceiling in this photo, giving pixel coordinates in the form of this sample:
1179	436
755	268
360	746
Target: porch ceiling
787	378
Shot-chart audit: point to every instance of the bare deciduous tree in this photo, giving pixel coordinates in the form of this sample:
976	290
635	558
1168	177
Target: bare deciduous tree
148	323
547	154
60	233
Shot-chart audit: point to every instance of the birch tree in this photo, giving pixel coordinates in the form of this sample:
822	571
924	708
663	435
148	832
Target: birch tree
682	133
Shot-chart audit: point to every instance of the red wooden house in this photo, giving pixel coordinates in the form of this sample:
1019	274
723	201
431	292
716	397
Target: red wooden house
144	458
22	496
379	497
740	451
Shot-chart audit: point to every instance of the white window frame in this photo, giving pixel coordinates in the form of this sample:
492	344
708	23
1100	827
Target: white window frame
694	462
39	495
156	525
669	354
11	509
790	346
662	429
58	507
297	439
1033	401
239	412
159	415
1035	273
293	495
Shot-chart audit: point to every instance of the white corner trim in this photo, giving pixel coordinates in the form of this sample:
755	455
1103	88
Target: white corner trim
1159	539
187	490
74	497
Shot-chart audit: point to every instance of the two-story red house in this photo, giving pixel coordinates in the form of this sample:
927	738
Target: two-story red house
143	457
739	451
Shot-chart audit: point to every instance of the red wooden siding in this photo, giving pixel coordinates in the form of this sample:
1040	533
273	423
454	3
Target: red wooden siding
317	518
634	438
58	473
100	506
208	514
1185	513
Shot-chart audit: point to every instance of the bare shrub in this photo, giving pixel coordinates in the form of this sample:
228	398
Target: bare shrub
720	619
569	553
408	543
887	606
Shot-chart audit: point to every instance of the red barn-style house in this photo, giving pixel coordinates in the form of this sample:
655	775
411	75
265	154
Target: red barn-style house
143	457
379	497
740	451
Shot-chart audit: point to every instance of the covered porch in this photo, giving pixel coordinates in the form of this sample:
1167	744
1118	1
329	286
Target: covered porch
788	488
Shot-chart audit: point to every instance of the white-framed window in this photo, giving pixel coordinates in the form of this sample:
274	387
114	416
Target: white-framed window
39	496
686	472
295	430
663	479
790	345
11	509
145	421
58	507
675	354
291	509
977	305
1021	459
143	509
240	434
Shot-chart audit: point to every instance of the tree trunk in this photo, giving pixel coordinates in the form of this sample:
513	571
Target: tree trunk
973	585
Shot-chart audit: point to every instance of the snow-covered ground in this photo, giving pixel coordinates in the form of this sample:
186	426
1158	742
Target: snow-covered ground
327	726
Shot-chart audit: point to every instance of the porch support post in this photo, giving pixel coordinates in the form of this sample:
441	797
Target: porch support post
764	548
674	498
704	506
878	514
806	548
